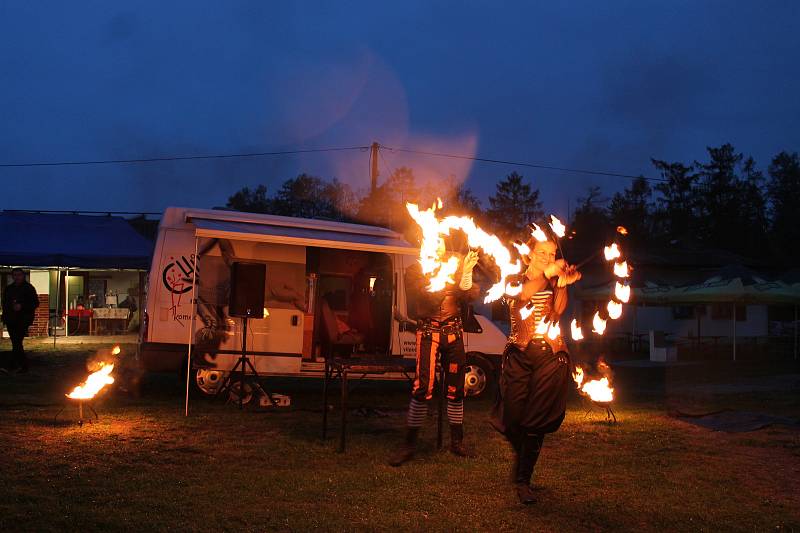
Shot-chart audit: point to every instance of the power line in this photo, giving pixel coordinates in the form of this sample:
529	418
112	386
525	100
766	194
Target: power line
178	158
523	164
321	150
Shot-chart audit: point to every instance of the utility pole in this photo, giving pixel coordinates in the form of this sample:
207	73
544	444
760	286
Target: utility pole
373	170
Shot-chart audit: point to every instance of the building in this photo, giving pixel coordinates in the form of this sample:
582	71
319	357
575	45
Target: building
81	265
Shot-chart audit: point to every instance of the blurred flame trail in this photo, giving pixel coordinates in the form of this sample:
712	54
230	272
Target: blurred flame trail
611	252
521	247
553	331
433	231
598	324
542	327
622	292
614	310
577	334
526	311
513	289
558	228
537	233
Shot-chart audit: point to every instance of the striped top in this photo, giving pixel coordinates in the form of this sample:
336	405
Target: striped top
523	331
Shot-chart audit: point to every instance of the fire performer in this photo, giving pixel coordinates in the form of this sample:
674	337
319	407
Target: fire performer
536	375
439	331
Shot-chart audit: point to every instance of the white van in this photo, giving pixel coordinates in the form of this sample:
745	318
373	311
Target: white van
354	270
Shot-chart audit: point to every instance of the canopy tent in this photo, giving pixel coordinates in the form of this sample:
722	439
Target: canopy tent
71	241
74	241
733	284
649	292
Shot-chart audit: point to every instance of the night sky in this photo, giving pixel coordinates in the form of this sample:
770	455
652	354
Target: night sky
595	85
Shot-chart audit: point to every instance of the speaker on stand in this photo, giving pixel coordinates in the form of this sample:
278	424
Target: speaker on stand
246	301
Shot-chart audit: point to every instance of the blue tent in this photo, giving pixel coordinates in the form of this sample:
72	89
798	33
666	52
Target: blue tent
74	241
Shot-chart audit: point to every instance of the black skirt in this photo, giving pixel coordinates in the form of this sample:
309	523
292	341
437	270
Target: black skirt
533	389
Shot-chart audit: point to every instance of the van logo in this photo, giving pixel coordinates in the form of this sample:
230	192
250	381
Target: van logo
177	275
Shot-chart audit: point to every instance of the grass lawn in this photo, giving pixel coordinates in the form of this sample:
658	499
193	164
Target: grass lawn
144	466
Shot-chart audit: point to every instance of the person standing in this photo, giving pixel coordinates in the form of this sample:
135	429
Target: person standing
536	374
440	332
19	305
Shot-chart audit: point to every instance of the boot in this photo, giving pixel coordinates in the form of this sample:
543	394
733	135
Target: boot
407	450
515	439
526	460
457	441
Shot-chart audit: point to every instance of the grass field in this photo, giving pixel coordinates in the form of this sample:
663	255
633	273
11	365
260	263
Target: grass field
144	466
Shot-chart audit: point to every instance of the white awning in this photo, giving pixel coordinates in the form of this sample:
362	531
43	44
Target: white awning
303	236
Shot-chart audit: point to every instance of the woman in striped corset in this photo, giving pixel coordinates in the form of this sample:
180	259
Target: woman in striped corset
536	372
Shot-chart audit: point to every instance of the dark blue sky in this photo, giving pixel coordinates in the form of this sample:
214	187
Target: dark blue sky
599	85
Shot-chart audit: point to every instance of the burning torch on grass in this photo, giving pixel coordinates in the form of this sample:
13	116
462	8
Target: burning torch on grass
95	382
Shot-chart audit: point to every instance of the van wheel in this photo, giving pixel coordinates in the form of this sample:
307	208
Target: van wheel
478	376
208	381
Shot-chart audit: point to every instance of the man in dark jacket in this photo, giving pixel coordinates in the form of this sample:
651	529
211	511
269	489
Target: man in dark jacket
19	305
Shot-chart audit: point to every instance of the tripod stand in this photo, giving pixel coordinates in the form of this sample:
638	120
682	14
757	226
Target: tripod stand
241	367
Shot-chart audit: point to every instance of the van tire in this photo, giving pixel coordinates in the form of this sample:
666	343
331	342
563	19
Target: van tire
479	376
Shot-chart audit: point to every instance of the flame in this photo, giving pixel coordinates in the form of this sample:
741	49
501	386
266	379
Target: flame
578	375
115	350
522	248
514	289
444	275
557	227
537	233
93	384
554	331
541	327
621	269
622	230
598	324
577	334
599	390
432	231
614	309
612	252
526	311
429	248
622	292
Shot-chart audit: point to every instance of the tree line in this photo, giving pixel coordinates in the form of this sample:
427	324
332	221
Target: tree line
724	202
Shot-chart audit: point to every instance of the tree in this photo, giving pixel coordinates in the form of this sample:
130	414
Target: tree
312	197
590	221
676	214
343	199
513	207
386	205
753	223
718	194
457	199
783	190
633	209
732	207
251	201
